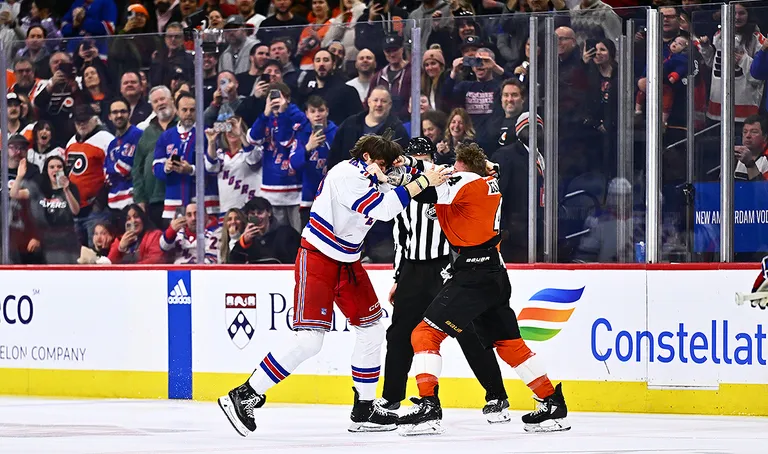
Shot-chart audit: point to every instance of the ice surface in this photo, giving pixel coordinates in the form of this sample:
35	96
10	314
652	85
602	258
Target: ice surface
160	427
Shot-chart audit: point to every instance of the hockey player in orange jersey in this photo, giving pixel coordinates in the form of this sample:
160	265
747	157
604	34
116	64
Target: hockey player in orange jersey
476	297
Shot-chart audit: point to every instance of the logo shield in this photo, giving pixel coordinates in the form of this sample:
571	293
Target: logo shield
240	317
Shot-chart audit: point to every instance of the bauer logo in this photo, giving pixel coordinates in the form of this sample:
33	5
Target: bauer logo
546	312
240	317
179	288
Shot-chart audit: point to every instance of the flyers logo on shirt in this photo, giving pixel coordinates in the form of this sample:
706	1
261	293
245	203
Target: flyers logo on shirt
78	162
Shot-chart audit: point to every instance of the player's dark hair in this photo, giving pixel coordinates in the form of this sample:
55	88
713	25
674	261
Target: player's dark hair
378	147
472	156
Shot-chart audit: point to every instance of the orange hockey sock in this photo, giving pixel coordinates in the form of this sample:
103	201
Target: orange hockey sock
515	353
427	361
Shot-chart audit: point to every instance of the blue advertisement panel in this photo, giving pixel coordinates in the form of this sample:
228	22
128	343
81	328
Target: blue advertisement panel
750	217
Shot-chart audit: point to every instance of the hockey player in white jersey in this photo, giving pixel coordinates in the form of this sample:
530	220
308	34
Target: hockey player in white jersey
353	195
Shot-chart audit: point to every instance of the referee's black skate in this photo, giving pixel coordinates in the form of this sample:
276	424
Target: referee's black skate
550	414
424	418
496	411
366	416
238	406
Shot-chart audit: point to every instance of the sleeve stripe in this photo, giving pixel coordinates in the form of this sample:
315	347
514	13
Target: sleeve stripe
356	205
373	205
375	197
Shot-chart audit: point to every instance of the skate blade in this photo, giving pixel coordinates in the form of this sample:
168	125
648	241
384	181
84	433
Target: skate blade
371	427
225	403
552	425
424	428
502	417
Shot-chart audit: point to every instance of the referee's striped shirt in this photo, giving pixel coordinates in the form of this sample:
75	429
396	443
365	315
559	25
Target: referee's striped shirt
418	235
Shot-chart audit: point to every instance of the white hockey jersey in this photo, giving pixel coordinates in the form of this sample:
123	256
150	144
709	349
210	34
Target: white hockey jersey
184	246
238	176
349	200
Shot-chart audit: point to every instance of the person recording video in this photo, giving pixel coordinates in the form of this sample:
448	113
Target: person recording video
264	241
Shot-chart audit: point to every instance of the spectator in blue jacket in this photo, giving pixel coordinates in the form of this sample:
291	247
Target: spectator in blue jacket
89	18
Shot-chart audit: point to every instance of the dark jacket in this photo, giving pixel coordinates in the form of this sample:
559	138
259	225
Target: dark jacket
352	129
279	245
342	99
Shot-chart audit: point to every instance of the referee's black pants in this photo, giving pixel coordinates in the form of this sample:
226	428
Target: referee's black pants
418	284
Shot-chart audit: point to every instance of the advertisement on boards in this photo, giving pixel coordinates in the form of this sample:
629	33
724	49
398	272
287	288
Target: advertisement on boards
86	320
750	216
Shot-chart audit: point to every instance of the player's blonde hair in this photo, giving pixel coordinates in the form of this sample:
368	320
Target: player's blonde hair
472	156
377	147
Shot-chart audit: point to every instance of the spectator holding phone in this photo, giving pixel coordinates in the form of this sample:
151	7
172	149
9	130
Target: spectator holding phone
60	202
263	241
59	98
141	241
103	237
179	241
311	155
236	162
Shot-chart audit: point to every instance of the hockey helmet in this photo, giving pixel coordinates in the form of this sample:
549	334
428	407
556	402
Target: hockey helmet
421	146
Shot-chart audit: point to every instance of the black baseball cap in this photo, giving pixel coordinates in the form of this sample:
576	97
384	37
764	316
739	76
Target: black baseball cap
393	42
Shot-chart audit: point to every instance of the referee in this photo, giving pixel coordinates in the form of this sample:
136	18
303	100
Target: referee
421	253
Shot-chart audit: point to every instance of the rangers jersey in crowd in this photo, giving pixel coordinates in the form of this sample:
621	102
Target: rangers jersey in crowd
118	167
182	245
180	188
85	159
239	176
312	166
276	137
349	200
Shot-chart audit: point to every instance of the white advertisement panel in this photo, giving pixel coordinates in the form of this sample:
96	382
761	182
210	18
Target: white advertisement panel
565	316
697	336
84	320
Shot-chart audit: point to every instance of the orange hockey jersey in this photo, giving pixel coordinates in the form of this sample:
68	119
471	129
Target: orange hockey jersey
469	209
86	163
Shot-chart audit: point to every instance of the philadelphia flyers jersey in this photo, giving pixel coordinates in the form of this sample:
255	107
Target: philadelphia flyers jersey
85	159
469	208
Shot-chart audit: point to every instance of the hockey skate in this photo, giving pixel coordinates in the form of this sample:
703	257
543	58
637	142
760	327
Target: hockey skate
424	418
549	415
238	406
496	412
367	416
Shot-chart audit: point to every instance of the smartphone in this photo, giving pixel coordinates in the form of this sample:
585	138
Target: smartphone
317	128
255	220
68	69
129	226
266	78
175	158
179	213
591	43
274	93
472	62
381	3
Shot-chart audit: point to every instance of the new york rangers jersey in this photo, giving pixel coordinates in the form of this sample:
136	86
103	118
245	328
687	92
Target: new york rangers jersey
184	245
312	166
349	200
180	188
118	167
276	137
239	175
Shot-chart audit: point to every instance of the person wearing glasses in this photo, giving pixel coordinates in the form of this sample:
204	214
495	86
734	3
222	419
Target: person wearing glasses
119	160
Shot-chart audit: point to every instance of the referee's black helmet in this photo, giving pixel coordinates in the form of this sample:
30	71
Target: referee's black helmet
420	146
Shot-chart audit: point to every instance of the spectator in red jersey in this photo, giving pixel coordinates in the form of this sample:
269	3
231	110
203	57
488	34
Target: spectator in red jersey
141	241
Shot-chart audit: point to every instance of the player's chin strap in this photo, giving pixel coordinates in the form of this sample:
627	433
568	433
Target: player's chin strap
472	257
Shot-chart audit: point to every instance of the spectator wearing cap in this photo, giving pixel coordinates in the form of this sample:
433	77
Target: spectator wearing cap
512	158
24	235
56	102
433	75
341	99
451	40
365	64
171	59
89	18
378	119
396	75
41	147
120	155
86	154
235	57
264	241
291	24
16	124
338	51
343	30
148	191
134	53
377	21
36	51
247	9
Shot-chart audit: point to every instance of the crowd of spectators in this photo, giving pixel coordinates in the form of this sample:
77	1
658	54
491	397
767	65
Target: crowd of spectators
101	115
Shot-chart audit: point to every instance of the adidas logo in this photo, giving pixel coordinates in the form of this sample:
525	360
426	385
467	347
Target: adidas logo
179	294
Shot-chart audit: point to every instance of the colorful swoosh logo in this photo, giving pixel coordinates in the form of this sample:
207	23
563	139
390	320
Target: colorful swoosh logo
542	321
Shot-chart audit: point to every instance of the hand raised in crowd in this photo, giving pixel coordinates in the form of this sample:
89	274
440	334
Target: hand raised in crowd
273	106
33	245
63	182
178	223
210	134
442	147
217	98
374	11
315	140
22	169
743	154
588	54
261	89
184	167
252	231
127	240
170	165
